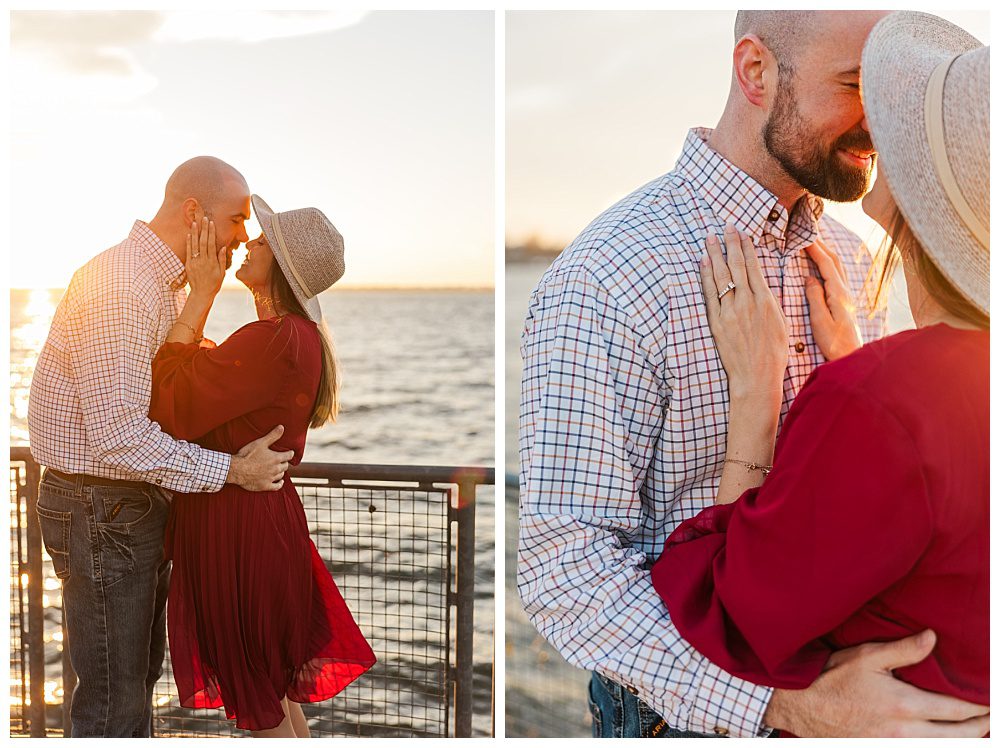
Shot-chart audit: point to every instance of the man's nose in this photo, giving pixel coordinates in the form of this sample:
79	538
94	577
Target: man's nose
864	124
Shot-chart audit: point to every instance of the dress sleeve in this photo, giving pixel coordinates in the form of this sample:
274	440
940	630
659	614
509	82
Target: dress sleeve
756	585
197	389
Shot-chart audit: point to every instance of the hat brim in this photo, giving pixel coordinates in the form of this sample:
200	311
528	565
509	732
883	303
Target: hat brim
901	53
264	214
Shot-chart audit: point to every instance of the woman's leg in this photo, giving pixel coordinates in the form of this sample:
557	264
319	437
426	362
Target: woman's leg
284	730
299	724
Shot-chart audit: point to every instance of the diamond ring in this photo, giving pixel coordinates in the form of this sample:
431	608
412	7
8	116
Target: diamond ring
727	289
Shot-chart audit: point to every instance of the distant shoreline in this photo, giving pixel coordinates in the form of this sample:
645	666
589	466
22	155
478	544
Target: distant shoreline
530	254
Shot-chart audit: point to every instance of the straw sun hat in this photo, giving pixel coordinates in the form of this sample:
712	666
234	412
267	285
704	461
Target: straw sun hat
308	248
926	90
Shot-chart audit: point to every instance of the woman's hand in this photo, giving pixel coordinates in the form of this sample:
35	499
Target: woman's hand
205	263
746	322
750	333
831	309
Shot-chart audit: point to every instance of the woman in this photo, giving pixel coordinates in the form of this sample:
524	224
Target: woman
874	522
256	624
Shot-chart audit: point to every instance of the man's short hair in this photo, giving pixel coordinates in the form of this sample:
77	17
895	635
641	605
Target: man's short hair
784	32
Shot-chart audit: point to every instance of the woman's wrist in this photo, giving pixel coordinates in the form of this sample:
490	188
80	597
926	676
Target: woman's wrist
201	299
755	405
185	328
753	426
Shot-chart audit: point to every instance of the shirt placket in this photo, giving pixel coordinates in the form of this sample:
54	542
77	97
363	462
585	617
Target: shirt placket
795	308
787	281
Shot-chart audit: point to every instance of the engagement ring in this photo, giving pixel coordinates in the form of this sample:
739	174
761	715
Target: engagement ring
727	289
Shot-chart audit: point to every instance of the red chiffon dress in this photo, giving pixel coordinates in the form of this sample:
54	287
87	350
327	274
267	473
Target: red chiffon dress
253	614
873	525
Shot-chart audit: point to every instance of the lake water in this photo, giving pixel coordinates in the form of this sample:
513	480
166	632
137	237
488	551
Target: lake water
418	389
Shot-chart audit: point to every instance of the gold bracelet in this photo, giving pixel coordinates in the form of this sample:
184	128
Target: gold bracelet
751	466
197	338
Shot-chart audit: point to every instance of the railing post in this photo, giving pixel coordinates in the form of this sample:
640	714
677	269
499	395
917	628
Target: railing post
69	680
36	613
465	593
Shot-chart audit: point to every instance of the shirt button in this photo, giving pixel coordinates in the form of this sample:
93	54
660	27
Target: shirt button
720	731
159	482
773	215
632	690
799	347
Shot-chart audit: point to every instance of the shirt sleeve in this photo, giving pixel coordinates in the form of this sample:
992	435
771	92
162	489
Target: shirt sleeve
756	585
591	413
197	389
110	350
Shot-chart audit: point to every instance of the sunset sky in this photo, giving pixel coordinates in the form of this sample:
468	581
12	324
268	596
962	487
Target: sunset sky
384	120
599	102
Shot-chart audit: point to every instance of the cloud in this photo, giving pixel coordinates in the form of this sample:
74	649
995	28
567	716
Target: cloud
252	26
84	43
99	42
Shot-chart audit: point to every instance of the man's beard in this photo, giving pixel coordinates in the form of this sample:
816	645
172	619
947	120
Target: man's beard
801	153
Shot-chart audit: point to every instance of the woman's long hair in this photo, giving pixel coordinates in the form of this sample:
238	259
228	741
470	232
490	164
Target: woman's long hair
901	243
327	404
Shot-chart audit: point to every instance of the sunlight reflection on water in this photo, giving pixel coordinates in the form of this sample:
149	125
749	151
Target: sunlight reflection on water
27	335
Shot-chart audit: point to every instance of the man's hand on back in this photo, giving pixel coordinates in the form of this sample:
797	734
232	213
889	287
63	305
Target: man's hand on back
257	467
858	696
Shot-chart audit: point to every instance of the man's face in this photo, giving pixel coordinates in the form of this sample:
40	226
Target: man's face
230	213
816	128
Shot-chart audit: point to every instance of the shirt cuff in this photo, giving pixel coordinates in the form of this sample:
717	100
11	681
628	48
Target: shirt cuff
728	706
206	473
212	471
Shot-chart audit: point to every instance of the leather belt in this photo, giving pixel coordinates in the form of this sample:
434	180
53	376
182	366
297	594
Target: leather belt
93	480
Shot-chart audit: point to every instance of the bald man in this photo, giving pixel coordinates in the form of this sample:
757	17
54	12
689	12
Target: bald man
624	399
105	493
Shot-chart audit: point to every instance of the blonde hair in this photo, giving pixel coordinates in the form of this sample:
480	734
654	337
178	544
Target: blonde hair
900	242
327	405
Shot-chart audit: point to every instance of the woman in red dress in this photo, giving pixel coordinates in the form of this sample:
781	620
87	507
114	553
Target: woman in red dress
256	623
873	524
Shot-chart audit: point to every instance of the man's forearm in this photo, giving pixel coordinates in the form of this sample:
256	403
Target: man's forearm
630	625
188	468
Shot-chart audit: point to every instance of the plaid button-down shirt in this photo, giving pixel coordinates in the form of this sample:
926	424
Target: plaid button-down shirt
624	411
88	410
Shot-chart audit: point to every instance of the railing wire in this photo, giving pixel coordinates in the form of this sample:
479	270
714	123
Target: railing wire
398	541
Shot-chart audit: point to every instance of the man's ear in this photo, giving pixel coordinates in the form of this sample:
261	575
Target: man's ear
755	69
192	210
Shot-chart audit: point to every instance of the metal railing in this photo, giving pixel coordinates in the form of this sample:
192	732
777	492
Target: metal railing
398	540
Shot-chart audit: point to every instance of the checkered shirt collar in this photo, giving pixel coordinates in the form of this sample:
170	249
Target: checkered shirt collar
168	267
735	196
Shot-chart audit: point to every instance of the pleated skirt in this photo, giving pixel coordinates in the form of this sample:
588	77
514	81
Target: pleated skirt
253	614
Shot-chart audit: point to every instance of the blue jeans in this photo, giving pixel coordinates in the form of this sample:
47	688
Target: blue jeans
106	545
617	713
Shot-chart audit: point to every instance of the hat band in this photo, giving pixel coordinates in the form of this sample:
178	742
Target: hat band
934	119
288	257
